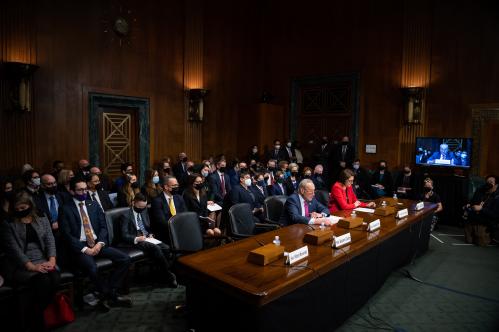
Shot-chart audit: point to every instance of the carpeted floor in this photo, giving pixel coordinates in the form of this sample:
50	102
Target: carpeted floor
458	290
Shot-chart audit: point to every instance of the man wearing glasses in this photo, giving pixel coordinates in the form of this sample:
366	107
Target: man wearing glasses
83	226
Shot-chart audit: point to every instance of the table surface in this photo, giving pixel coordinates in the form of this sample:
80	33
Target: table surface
227	268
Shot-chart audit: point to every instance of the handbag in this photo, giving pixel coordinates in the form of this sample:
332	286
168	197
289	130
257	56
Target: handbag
59	312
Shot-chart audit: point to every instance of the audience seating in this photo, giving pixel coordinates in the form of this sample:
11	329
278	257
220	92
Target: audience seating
185	233
273	206
242	222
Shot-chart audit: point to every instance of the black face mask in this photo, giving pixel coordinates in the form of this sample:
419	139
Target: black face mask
427	189
242	170
166	170
51	190
23	213
294	174
407	172
488	186
253	166
184	160
174	191
271	169
198	186
382	168
8	195
135	185
344	143
190	169
138	210
222	169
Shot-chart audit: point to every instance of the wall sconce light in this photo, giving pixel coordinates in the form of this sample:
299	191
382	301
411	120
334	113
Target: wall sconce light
196	101
19	76
413	105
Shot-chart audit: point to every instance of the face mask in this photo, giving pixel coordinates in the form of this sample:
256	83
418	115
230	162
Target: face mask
51	190
198	186
190	169
184	160
255	150
138	210
280	180
488	186
253	166
427	189
23	213
277	147
36	181
205	174
242	170
166	170
382	168
288	145
407	171
247	182
80	197
135	185
222	169
356	166
261	183
271	168
155	179
308	175
294	173
344	143
174	191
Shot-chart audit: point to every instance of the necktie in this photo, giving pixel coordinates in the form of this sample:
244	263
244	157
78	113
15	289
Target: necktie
172	207
343	152
86	226
52	208
222	184
142	228
96	201
305	207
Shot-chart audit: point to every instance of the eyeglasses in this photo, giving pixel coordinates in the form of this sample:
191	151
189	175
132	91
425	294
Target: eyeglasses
81	190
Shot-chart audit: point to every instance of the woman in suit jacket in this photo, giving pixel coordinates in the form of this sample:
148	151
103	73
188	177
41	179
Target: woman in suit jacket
196	200
342	196
293	179
31	257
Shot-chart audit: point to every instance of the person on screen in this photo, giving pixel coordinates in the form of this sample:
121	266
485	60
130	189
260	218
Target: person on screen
342	196
443	154
464	160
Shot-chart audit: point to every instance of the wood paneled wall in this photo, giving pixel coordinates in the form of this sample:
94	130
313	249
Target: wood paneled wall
243	50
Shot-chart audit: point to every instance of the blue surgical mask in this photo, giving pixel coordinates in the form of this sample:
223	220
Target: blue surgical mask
155	179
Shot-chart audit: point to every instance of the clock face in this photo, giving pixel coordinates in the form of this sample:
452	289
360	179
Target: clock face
121	27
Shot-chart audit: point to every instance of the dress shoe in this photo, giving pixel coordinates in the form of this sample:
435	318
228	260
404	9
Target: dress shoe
121	301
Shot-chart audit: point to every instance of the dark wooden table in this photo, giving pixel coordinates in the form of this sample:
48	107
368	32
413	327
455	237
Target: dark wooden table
222	282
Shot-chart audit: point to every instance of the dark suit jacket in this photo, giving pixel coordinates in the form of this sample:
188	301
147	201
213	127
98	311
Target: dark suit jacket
412	184
160	214
275	190
259	197
216	187
104	199
240	195
387	181
129	230
70	224
449	156
193	205
337	155
292	212
179	172
42	205
281	154
289	185
319	182
286	153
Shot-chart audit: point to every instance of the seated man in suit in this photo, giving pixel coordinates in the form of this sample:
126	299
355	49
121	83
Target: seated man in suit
84	227
278	188
48	200
219	183
136	230
97	194
303	208
259	190
241	193
164	206
443	155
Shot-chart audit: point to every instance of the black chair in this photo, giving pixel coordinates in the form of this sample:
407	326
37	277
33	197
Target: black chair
185	233
242	222
273	207
113	217
322	196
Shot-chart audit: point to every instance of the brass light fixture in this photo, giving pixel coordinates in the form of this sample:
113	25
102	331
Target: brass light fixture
196	104
19	75
413	105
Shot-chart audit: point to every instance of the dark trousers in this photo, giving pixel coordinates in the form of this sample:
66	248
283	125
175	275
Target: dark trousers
159	253
121	263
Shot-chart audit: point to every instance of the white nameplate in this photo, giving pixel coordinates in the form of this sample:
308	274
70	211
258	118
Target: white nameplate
373	225
419	206
442	161
402	213
339	241
333	219
367	210
296	255
372	236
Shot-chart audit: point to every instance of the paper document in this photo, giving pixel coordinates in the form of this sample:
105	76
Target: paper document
361	209
333	219
153	240
214	207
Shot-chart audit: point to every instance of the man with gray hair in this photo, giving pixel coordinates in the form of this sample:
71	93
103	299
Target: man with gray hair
303	208
443	157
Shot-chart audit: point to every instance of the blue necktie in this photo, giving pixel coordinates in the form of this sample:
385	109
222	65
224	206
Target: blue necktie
141	225
53	210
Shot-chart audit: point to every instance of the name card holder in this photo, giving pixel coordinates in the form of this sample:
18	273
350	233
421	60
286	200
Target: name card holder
266	254
419	206
350	222
340	241
402	213
374	225
391	201
297	255
318	237
384	211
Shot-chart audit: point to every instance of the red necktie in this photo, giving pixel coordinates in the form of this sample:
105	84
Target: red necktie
222	184
305	206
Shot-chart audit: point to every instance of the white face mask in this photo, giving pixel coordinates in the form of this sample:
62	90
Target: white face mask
36	182
155	179
247	182
255	150
288	145
277	147
356	166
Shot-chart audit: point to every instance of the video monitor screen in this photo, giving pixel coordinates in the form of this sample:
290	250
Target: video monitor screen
446	152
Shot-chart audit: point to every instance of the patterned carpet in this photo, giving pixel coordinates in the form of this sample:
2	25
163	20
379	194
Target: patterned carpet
459	292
